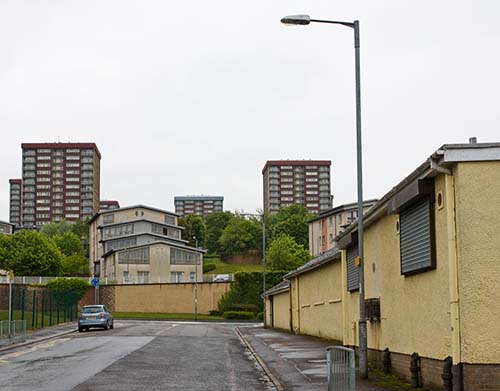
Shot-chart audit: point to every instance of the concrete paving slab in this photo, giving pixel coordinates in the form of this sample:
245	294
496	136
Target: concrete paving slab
298	362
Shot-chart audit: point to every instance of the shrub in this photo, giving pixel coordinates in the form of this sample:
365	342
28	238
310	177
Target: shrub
208	267
215	313
75	285
243	307
260	316
240	315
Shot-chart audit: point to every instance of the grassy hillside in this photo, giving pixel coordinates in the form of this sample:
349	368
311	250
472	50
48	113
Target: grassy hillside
226	268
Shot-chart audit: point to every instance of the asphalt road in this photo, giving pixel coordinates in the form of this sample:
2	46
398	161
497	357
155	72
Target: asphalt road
136	355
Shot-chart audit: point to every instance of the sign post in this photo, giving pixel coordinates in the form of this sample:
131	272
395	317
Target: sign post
11	278
95	284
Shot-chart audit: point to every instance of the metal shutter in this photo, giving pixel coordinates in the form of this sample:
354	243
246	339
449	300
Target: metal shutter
416	237
352	269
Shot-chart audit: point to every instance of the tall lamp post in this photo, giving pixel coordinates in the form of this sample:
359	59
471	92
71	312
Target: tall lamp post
305	20
196	281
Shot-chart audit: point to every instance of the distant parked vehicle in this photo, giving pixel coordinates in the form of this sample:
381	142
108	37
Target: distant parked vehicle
222	278
95	316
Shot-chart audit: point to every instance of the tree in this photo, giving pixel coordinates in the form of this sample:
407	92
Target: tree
56	228
69	244
4	250
215	223
286	254
74	264
193	227
31	253
293	221
79	228
240	236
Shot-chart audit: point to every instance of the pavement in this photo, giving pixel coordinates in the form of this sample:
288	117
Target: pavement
294	362
37	336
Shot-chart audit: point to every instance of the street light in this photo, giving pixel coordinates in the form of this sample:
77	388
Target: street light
305	20
196	281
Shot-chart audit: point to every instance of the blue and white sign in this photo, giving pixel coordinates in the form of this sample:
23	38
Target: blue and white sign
95	282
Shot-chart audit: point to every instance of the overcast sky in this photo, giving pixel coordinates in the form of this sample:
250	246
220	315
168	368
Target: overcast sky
192	97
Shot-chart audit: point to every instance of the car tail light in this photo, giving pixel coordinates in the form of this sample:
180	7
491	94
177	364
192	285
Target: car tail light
102	316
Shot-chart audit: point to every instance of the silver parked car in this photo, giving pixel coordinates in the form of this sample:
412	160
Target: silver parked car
95	316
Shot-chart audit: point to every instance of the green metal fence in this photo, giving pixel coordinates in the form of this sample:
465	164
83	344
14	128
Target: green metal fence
40	307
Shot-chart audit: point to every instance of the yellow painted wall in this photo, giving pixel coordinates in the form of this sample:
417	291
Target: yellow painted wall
414	309
320	301
478	248
281	310
168	298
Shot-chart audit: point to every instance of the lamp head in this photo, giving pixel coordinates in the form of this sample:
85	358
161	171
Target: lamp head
296	20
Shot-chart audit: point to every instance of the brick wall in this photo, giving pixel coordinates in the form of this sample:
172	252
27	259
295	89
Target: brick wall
431	369
481	377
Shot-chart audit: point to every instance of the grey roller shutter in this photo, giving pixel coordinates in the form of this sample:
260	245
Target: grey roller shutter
417	237
352	269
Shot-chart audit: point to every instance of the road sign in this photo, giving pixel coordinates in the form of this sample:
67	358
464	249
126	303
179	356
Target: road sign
95	282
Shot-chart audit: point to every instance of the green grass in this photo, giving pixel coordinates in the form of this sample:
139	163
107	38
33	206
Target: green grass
28	315
154	315
390	381
226	268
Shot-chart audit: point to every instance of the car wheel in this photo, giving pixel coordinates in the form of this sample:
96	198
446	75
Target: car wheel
80	329
106	326
112	326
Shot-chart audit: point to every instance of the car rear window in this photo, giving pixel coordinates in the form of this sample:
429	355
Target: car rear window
92	310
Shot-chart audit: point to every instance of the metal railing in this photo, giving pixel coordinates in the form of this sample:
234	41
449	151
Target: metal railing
341	364
12	328
43	280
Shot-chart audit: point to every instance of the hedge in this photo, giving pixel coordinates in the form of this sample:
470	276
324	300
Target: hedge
247	290
75	285
240	315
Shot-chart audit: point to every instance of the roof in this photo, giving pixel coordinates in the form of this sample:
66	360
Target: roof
62	146
328	256
342	208
283	286
113	202
199	198
437	163
296	163
6	222
102	212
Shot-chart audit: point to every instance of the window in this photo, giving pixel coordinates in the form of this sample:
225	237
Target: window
73	157
125	276
134	256
416	237
108	219
72	216
71	179
352	269
120	244
119	230
192	276
183	257
143	277
72	186
175	276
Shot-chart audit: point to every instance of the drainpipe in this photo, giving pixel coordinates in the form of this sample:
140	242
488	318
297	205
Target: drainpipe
456	348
